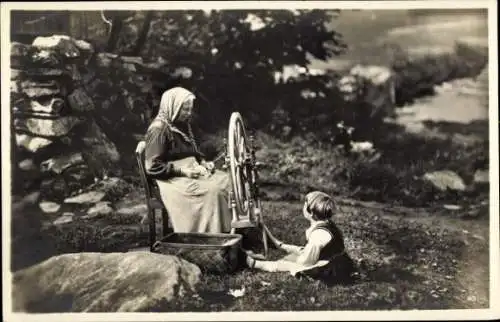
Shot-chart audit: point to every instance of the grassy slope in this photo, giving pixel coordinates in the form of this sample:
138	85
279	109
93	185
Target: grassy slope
408	257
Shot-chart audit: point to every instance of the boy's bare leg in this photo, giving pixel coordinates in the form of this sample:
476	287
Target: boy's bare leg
272	266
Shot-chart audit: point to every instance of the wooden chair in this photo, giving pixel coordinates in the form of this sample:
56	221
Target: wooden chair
153	199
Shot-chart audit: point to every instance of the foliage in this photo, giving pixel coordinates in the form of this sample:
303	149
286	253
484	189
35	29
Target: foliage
232	64
417	76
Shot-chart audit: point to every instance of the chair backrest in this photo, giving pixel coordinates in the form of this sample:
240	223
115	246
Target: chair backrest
146	182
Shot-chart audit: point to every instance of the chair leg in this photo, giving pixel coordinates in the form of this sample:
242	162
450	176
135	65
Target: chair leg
165	226
152	229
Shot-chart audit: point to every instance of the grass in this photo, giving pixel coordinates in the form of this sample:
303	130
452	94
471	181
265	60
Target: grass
407	259
423	257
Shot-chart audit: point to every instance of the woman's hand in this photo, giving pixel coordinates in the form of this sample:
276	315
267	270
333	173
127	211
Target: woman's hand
210	166
195	172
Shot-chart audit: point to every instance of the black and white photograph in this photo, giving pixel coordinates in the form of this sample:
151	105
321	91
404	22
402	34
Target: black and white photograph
249	160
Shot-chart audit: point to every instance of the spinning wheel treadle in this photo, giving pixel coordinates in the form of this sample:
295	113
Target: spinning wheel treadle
240	159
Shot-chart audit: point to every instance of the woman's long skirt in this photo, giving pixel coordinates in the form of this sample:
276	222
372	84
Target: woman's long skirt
198	205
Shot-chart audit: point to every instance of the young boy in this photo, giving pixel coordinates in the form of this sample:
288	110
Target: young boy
324	256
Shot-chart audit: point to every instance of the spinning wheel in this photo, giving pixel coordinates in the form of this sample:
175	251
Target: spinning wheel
243	175
243	199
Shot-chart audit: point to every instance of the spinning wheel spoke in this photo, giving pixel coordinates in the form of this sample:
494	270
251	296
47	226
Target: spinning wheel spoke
241	172
241	157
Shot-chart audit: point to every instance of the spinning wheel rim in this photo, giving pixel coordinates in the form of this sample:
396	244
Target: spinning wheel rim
240	191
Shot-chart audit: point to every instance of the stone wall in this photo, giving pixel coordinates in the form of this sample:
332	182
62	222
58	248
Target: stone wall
67	103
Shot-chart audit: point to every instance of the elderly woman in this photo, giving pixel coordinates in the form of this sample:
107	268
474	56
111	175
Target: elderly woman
193	192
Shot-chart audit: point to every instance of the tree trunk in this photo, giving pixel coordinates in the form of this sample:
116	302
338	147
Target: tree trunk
114	35
143	35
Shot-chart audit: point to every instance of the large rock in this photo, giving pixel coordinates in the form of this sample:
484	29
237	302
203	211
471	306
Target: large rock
62	44
444	180
52	107
16	74
61	163
104	60
99	282
74	73
482	176
18	49
48	127
90	197
30	143
45	72
27	165
84	46
86	50
37	89
54	188
45	58
80	101
101	149
27	201
102	208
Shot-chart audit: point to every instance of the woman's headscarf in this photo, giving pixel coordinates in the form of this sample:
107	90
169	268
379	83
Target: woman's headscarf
170	106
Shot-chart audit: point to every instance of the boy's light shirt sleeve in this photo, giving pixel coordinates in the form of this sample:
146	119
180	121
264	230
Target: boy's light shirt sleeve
317	240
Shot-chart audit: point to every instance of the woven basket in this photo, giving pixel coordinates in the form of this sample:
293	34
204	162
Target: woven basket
213	253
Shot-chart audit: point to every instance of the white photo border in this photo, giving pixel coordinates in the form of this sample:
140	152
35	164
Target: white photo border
492	312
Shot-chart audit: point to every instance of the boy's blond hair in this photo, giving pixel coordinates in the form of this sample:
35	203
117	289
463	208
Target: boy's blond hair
320	205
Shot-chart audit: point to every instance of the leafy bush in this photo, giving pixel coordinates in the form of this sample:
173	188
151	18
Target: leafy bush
416	76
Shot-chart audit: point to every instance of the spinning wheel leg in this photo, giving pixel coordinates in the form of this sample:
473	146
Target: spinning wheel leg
264	240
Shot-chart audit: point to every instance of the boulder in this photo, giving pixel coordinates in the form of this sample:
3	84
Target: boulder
102	208
27	165
136	210
84	46
25	202
31	143
53	106
61	44
45	72
113	187
99	147
86	50
39	88
65	218
103	282
80	101
61	163
79	174
54	188
18	49
49	206
104	60
48	127
91	197
74	73
45	58
16	74
33	92
445	180
481	176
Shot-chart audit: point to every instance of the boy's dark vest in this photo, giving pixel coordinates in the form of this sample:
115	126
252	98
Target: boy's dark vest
335	246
